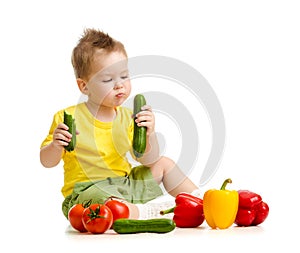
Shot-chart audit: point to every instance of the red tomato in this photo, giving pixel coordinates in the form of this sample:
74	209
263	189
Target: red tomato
75	217
97	218
118	209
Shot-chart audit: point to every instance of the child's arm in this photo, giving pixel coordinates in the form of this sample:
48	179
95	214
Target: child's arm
51	154
146	118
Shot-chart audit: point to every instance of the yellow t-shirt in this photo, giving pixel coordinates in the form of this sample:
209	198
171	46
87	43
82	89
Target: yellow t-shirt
101	147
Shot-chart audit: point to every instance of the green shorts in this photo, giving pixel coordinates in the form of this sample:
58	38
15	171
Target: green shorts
138	187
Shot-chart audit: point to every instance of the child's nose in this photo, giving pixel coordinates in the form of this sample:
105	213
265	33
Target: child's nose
118	84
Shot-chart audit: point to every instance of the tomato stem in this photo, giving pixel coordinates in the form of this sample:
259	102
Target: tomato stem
94	214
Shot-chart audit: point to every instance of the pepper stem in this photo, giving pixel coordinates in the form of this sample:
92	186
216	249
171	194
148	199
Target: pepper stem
227	181
171	210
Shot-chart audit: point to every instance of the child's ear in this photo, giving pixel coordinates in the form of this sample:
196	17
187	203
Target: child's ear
82	86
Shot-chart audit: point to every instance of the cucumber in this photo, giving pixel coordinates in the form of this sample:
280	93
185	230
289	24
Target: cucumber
139	133
70	122
133	226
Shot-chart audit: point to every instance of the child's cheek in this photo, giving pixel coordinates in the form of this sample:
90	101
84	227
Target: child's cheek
100	91
104	91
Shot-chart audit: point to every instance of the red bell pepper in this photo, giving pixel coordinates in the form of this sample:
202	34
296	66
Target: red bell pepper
252	210
188	211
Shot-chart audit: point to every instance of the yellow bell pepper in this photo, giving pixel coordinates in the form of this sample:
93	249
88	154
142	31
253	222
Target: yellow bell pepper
220	206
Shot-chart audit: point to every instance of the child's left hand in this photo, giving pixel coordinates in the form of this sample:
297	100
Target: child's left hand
146	118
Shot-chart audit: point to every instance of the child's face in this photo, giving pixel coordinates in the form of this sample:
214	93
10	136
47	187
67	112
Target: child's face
109	84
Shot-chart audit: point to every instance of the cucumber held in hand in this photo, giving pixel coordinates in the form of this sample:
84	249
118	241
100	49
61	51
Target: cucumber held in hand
70	122
133	226
139	133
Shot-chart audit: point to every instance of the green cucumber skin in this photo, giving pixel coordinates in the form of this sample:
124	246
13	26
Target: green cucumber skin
132	226
139	133
70	122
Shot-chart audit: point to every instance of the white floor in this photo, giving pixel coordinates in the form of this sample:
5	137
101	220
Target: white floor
42	228
32	221
63	238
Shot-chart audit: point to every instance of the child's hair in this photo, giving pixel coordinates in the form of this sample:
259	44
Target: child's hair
91	41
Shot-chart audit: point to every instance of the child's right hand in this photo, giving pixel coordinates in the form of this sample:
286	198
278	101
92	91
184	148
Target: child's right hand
61	136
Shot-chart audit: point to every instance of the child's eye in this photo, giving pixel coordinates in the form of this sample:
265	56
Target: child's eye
107	81
124	77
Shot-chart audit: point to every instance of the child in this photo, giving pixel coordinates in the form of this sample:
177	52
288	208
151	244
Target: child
98	167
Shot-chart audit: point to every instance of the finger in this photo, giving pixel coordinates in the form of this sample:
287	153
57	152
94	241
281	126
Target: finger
146	108
63	133
62	137
144	113
62	143
143	124
143	118
63	126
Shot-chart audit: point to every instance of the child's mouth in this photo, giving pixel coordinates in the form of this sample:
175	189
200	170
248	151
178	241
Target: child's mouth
120	95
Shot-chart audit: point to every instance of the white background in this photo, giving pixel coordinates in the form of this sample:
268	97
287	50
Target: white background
247	50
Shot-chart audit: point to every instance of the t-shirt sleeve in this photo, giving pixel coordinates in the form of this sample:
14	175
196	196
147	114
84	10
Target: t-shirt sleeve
57	119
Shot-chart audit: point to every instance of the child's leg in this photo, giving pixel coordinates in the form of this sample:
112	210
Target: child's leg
166	171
